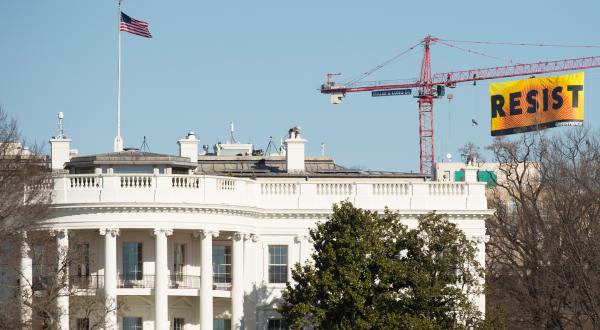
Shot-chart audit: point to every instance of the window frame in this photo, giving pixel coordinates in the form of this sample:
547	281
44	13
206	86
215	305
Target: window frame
286	265
225	325
175	325
139	273
141	324
227	274
182	271
281	324
79	326
83	266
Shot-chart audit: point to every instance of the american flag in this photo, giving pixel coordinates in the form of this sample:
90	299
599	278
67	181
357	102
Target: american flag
134	26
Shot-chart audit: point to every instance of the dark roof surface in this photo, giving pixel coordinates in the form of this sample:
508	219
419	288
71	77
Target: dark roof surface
262	166
238	166
130	157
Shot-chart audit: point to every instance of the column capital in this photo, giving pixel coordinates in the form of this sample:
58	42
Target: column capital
300	238
163	231
204	233
251	236
59	233
237	236
114	232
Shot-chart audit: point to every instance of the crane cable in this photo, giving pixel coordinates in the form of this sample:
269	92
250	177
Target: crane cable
368	73
520	44
476	52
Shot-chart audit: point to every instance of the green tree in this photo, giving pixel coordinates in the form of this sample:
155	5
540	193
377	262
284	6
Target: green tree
370	271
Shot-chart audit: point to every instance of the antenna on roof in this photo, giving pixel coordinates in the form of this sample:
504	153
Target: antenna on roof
61	128
270	145
145	145
322	149
231	131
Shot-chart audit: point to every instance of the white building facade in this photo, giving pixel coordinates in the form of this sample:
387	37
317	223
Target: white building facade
207	241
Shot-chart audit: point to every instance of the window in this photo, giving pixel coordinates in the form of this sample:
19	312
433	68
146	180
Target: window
82	324
132	323
221	324
132	261
276	324
221	264
40	280
278	263
179	170
178	259
83	266
511	207
178	323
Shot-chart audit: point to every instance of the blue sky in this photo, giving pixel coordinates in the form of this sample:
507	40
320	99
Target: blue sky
260	64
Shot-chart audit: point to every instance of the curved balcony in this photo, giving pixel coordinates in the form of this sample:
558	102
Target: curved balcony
184	282
86	281
222	286
271	193
135	281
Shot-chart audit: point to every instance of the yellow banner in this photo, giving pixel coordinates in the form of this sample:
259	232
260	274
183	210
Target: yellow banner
536	103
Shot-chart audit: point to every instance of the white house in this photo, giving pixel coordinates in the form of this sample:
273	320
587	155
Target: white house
206	241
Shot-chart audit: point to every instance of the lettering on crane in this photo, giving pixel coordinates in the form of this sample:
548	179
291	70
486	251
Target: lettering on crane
536	103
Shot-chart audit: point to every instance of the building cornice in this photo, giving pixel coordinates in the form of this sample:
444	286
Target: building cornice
244	211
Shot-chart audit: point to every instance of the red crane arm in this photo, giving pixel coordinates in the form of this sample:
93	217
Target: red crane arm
451	78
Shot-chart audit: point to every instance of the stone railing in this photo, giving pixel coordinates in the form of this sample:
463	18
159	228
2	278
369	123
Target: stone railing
269	193
85	181
390	189
186	182
334	189
184	282
447	189
225	184
136	181
278	188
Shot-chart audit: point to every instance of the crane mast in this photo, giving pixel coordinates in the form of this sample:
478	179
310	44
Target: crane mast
425	101
431	86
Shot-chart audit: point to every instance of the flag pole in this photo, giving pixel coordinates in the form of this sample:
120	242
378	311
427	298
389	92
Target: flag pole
118	141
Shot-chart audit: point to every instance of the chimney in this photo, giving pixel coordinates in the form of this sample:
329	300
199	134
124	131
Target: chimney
188	147
470	170
60	152
60	146
295	151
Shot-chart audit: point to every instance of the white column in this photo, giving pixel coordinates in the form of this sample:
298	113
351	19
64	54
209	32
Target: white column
110	276
237	285
481	243
161	284
206	278
62	277
25	283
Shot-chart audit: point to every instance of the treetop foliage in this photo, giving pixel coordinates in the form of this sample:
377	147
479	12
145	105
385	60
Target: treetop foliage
370	271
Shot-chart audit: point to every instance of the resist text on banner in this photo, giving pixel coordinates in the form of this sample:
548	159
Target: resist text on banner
536	103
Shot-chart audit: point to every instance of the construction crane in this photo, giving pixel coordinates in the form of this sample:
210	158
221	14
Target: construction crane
432	86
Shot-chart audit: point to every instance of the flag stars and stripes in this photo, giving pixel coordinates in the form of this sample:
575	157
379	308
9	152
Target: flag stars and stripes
134	26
